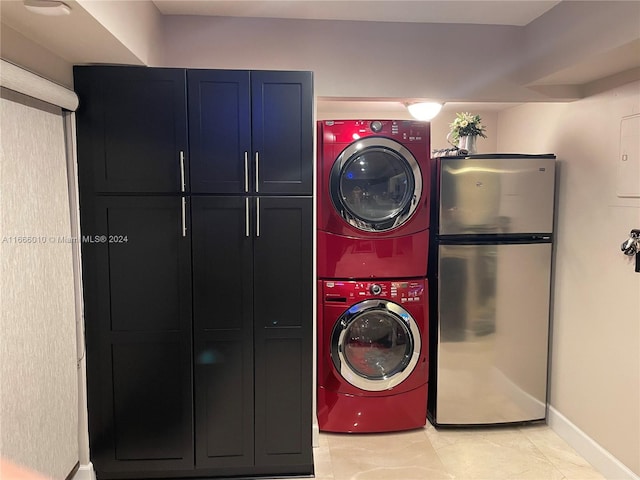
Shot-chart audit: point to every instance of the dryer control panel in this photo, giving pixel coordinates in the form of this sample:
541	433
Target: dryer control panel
405	291
346	131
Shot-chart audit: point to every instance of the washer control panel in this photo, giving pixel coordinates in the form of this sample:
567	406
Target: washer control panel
407	291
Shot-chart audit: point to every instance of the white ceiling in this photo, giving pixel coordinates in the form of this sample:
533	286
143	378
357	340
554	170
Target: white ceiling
504	12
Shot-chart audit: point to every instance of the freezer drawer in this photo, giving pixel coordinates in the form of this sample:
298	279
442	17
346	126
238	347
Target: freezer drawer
493	327
496	196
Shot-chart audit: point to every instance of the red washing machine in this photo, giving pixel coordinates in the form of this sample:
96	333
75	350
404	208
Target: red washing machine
372	355
373	198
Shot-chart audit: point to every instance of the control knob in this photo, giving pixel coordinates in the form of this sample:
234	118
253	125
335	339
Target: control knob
376	126
375	289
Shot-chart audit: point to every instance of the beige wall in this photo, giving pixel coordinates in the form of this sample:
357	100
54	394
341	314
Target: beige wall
450	62
336	110
355	59
595	370
19	50
136	24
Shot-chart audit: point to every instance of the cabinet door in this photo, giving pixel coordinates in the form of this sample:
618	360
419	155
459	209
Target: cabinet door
282	132
219	130
132	128
223	331
137	282
283	332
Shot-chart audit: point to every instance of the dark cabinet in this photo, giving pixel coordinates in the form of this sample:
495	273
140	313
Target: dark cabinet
132	129
137	275
223	332
282	128
283	278
197	269
220	130
257	252
251	132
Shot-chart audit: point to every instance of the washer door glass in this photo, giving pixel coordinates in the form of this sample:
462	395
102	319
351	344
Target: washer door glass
376	184
375	345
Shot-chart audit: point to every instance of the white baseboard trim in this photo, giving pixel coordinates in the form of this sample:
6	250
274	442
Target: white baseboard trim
591	451
315	435
85	472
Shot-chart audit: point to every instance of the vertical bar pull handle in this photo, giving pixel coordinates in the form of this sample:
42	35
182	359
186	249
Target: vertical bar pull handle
257	216
257	174
246	171
246	213
182	181
184	217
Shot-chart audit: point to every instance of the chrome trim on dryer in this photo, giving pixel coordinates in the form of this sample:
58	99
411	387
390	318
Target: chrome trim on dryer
370	218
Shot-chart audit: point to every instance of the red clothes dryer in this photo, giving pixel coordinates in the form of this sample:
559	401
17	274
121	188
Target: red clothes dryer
373	198
372	355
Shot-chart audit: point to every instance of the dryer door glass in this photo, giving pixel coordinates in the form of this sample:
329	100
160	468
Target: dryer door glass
376	184
375	345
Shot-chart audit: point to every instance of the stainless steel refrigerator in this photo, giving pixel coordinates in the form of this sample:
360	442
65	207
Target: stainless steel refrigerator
490	275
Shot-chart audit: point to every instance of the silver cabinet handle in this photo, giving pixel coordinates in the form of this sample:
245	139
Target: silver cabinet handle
184	217
182	184
257	176
257	216
246	171
246	213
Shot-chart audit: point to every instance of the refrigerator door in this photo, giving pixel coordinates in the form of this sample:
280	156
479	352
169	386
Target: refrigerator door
493	326
496	196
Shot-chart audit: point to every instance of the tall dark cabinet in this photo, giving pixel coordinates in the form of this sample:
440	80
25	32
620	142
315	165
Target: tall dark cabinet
196	215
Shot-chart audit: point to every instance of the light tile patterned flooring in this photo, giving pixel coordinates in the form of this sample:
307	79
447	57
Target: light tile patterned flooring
520	453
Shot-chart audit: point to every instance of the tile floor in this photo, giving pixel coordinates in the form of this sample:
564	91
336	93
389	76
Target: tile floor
521	453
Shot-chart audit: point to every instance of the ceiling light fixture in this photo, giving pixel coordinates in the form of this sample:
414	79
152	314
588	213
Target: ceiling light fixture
50	8
424	111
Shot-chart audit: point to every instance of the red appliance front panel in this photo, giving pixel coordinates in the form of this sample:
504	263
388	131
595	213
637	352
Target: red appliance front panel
396	257
340	403
339	296
334	138
345	251
342	413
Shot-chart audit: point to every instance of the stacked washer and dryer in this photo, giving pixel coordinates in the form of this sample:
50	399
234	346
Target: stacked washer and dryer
372	240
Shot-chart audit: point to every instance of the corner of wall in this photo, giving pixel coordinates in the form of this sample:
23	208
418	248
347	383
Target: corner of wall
597	456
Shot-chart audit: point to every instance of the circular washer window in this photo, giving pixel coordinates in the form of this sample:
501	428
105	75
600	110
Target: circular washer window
376	184
375	345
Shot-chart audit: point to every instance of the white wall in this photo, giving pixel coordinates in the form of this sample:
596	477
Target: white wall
595	363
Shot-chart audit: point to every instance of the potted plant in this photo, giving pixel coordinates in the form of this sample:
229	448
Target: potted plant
465	130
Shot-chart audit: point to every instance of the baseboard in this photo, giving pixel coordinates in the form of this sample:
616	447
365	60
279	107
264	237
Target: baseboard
85	472
315	435
591	451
